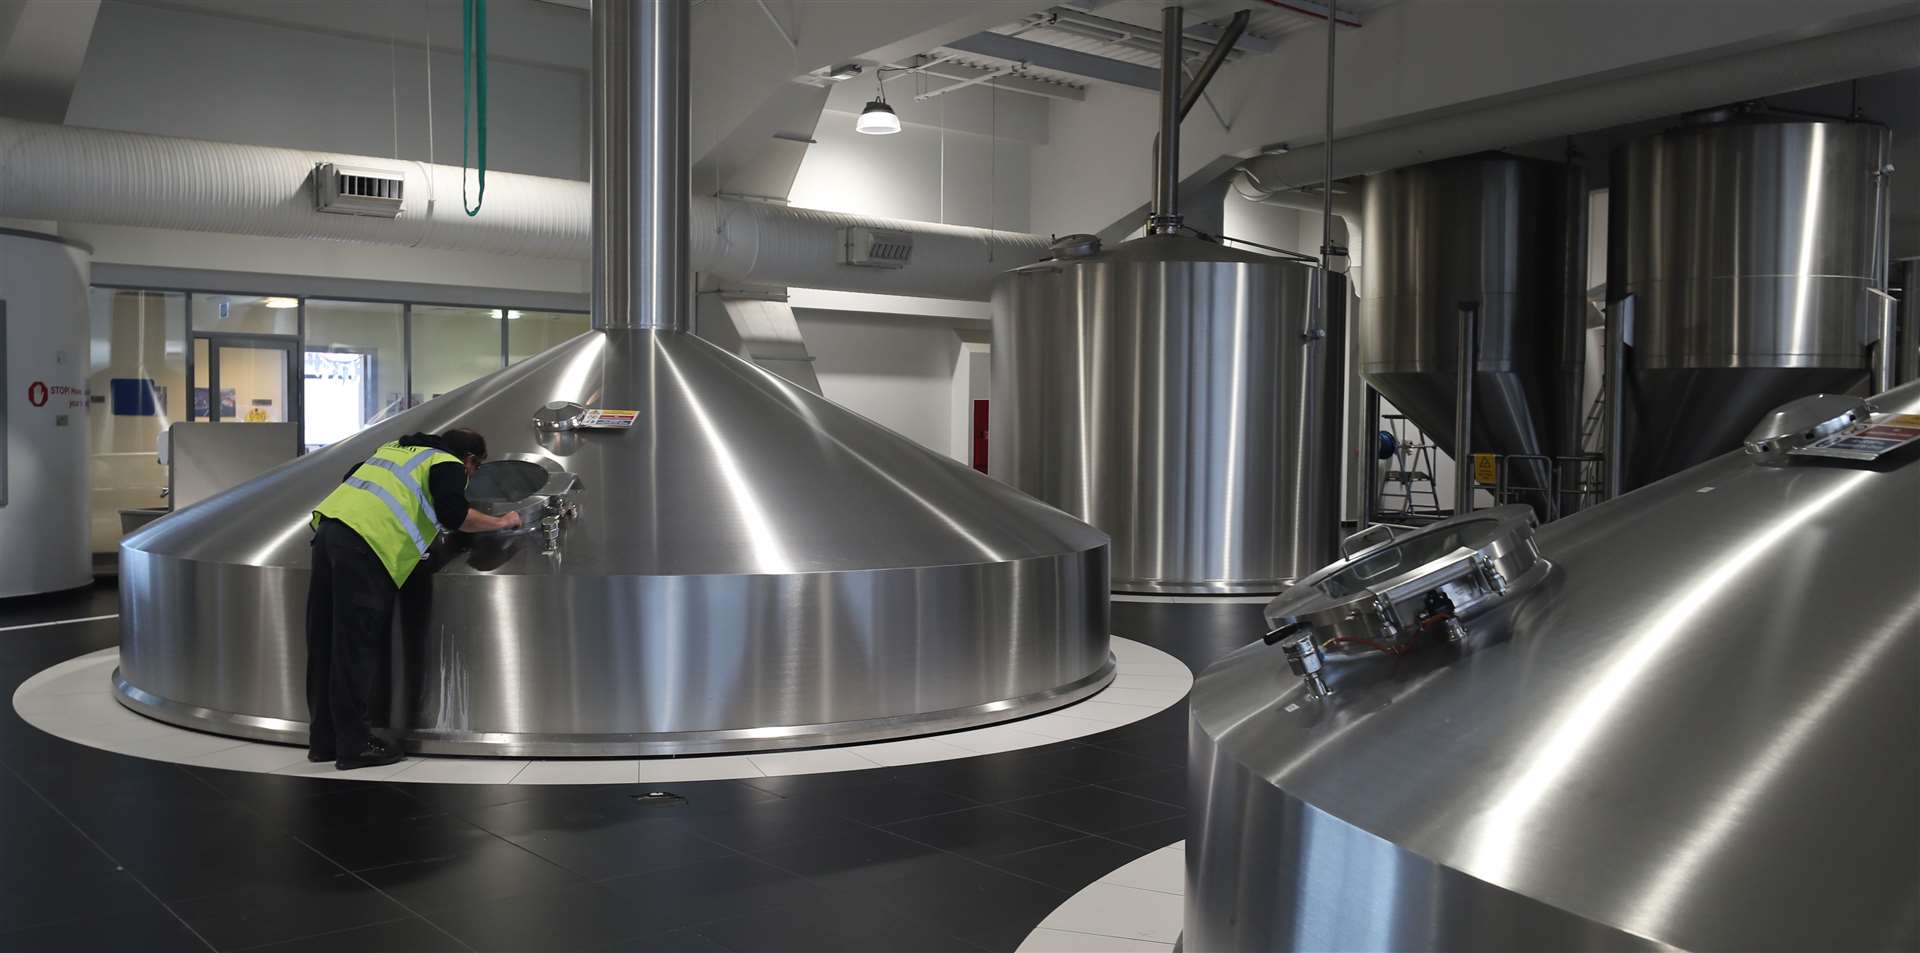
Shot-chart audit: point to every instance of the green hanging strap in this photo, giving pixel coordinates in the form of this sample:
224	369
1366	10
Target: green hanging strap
473	73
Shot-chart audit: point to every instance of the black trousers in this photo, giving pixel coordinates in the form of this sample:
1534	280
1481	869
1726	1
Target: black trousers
350	604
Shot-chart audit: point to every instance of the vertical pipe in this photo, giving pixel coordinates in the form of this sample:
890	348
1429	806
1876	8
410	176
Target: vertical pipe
1571	329
1370	450
1619	330
1334	383
1467	351
1886	358
1908	340
640	179
1166	159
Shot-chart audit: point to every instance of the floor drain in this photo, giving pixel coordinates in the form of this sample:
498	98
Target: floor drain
658	799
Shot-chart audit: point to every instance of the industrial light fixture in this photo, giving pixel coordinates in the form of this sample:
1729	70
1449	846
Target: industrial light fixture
509	315
281	304
878	119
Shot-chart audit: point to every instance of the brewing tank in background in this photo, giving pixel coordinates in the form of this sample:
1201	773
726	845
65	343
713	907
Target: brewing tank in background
1752	247
43	414
1488	229
1169	391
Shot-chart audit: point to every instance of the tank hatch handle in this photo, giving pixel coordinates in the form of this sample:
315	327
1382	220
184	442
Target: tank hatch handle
1348	545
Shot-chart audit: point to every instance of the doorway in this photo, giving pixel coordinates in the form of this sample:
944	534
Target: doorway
337	392
245	378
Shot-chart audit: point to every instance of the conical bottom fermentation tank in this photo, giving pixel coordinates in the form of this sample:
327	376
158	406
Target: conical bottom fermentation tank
1680	719
1170	392
1487	229
716	559
1751	247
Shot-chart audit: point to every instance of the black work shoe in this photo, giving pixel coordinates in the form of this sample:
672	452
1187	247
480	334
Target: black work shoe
318	756
371	756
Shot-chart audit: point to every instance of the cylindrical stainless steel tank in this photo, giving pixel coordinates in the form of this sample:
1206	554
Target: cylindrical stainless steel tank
1484	228
1750	245
1170	391
43	414
1694	732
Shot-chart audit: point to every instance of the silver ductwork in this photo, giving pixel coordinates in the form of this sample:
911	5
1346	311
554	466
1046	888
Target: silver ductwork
105	177
743	565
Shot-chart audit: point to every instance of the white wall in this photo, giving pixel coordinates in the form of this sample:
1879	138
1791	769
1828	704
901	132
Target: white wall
897	371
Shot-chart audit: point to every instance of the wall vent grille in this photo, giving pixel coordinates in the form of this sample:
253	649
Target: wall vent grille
875	247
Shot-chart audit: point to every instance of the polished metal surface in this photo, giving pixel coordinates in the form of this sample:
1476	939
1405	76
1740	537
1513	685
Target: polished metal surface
751	566
745	566
1165	216
1750	247
44	545
1171	392
1695	733
639	173
1485	229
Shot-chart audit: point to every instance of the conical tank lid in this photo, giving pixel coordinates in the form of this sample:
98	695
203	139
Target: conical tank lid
727	469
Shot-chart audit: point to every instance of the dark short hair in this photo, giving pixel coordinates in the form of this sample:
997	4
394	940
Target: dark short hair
464	443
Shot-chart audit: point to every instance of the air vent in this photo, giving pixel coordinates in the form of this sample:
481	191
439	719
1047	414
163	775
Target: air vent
875	247
344	190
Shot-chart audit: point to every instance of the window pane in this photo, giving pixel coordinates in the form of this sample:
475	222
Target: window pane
530	332
452	347
354	369
250	314
137	366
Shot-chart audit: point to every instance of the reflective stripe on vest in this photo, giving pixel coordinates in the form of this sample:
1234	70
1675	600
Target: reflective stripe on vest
405	472
399	512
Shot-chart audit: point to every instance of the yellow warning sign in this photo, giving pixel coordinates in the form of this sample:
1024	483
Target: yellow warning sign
1486	469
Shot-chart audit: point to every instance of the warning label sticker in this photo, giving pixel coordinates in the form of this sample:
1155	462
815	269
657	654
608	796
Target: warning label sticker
598	418
1867	440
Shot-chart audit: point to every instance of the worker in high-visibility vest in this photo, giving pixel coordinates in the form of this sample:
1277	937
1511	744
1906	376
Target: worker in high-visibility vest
370	535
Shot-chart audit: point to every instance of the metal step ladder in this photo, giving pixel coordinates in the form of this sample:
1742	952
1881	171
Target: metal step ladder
1408	494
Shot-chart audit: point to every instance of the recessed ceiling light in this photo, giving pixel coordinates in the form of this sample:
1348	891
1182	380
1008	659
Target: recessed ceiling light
281	304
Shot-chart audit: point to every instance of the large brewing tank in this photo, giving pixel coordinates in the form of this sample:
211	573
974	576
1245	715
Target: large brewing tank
1169	391
733	563
1695	731
1751	246
1487	229
43	414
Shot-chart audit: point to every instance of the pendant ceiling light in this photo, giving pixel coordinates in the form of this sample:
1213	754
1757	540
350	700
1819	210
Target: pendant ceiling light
878	119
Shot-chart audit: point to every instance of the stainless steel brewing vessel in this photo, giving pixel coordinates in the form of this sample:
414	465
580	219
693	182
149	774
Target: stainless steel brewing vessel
1695	732
1750	246
1169	391
749	566
716	559
1487	229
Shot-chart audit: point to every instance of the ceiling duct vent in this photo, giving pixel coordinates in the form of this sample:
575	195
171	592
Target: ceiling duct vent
344	190
875	247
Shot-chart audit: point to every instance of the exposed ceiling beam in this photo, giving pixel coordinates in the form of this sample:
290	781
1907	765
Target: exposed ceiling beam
955	70
1048	56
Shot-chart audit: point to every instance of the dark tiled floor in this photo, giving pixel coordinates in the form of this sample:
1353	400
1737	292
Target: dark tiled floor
106	852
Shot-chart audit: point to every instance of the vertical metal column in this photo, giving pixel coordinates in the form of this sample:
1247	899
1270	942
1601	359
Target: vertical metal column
1165	216
1468	353
1619	331
640	178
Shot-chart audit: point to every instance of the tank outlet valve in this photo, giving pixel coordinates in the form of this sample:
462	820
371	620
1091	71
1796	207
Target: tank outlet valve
1302	654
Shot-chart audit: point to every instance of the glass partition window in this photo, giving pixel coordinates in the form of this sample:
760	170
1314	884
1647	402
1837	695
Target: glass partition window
137	368
530	332
353	367
246	314
453	347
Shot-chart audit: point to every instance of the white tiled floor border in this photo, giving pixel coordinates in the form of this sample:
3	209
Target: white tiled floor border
74	700
1141	906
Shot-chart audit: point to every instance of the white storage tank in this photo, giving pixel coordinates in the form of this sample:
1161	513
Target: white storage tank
43	410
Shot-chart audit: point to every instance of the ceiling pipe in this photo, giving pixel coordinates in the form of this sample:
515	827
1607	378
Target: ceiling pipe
1215	58
72	174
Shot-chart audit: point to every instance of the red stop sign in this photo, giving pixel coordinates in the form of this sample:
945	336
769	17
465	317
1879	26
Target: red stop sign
37	393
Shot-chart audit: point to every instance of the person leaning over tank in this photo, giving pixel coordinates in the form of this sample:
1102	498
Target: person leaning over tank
369	536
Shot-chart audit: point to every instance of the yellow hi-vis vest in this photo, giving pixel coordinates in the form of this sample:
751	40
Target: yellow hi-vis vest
386	501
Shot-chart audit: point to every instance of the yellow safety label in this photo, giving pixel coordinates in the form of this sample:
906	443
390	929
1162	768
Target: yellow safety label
1486	469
